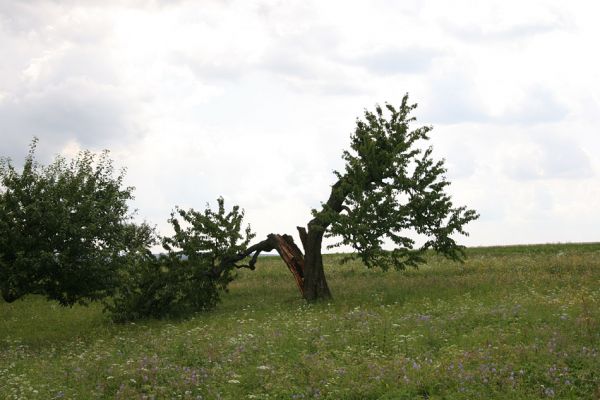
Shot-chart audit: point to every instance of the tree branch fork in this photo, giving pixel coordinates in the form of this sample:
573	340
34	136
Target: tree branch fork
285	246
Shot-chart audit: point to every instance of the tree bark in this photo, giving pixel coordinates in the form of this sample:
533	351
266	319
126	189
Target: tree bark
285	246
293	258
315	284
307	270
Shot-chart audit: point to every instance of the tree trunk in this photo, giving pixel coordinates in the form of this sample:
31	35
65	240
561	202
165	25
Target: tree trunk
315	284
284	245
293	258
308	269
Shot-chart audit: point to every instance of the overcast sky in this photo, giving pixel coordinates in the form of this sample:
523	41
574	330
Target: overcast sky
255	100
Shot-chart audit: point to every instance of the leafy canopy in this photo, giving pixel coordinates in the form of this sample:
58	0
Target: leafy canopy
390	185
190	276
63	227
209	236
66	233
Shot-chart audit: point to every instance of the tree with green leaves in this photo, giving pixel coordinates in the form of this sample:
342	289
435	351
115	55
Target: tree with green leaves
66	233
65	228
192	273
390	185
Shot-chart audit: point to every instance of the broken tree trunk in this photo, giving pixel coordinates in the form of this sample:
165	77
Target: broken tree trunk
293	258
306	268
285	246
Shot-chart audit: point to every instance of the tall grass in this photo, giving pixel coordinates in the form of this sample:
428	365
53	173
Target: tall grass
512	322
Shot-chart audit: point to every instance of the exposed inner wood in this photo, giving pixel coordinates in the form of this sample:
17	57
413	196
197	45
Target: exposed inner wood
293	258
284	244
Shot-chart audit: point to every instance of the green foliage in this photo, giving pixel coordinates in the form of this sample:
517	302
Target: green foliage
210	237
183	280
149	285
63	227
159	287
392	185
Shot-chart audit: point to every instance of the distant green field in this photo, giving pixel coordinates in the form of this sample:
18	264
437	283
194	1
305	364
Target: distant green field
519	322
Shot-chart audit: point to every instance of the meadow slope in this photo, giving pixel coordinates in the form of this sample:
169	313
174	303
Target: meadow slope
512	322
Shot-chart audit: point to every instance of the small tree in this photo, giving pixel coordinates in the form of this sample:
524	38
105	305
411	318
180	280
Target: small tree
64	228
193	272
390	184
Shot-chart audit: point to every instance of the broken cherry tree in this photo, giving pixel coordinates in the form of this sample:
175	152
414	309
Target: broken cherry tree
390	185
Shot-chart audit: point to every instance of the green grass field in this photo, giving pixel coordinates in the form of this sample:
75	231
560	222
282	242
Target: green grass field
510	323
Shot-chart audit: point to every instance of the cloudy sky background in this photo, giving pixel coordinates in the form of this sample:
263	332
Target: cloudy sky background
255	100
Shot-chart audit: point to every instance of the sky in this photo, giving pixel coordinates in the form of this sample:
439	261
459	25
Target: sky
256	100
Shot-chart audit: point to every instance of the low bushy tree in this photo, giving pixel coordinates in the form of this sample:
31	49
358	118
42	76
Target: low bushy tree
66	233
192	273
64	228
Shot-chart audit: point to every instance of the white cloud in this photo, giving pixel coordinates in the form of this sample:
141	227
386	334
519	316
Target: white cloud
256	100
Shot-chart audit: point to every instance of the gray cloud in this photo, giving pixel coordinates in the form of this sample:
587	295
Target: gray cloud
461	160
215	69
452	100
291	64
73	110
63	85
19	16
455	99
307	72
396	61
480	33
549	157
539	106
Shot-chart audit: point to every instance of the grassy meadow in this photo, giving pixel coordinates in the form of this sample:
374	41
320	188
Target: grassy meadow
511	323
